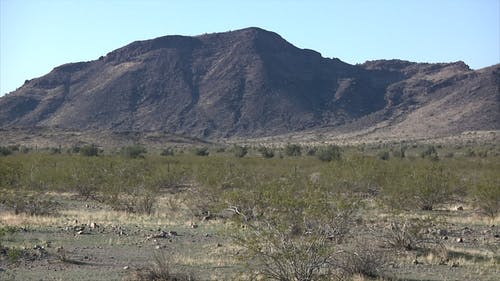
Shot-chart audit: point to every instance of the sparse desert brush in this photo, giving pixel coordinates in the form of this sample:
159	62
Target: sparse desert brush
160	269
293	150
89	150
239	151
133	151
266	152
486	194
419	185
329	153
4	151
201	151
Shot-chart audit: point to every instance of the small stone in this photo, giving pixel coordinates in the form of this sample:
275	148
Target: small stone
126	267
496	235
80	232
454	264
219	245
460	208
443	232
459	240
158	247
193	225
93	225
87	206
415	261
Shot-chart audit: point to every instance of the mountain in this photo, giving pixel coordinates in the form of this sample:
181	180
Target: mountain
252	83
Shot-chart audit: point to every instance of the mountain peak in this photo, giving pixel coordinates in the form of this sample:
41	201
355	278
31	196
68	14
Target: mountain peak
248	82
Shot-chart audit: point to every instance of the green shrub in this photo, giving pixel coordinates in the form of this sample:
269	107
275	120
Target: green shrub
4	151
293	150
329	153
11	174
201	151
266	152
89	150
134	151
311	151
14	254
167	152
422	185
430	152
486	195
240	151
55	150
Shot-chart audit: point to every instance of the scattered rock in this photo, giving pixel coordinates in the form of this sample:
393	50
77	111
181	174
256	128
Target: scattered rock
496	235
193	225
459	208
454	264
163	234
415	261
80	232
78	228
443	232
459	240
219	245
126	267
93	225
444	238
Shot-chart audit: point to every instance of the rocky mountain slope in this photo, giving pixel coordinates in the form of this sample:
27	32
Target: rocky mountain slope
252	83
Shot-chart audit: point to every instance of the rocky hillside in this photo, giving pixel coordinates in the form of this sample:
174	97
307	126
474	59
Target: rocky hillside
252	83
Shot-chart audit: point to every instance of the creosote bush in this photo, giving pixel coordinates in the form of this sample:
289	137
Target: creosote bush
89	150
240	151
420	185
134	151
167	152
293	150
329	153
266	152
201	151
4	151
486	194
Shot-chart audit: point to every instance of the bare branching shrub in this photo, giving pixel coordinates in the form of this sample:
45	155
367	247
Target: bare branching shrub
362	259
279	252
161	269
29	203
407	235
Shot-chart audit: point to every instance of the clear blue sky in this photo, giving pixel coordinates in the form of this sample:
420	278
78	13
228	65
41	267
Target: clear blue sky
36	36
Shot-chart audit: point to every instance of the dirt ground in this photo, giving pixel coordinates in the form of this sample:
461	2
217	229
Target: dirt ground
86	240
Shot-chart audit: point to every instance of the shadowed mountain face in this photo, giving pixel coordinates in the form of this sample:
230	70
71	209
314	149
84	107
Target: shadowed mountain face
251	83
